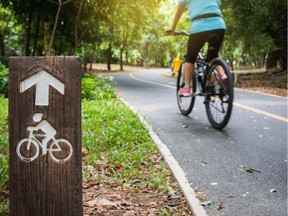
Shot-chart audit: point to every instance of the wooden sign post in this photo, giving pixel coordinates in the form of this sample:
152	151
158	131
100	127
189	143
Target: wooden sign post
45	167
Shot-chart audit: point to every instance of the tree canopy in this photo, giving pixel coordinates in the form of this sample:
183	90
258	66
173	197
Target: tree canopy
132	32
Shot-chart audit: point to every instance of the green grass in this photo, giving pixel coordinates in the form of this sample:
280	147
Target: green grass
3	155
118	146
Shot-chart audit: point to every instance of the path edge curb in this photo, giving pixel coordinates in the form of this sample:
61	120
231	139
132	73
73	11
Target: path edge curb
177	171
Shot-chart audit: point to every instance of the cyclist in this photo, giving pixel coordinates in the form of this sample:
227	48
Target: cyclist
206	20
44	126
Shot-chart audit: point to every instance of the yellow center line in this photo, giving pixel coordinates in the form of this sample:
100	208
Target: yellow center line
271	115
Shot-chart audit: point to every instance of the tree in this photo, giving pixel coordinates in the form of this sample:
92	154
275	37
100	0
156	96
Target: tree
258	23
60	4
125	22
5	17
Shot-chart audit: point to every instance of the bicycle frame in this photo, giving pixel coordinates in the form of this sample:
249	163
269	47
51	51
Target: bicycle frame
33	136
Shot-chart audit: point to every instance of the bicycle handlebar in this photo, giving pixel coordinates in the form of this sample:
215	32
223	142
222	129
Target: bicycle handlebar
176	33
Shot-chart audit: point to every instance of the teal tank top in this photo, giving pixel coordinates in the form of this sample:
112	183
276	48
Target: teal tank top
200	7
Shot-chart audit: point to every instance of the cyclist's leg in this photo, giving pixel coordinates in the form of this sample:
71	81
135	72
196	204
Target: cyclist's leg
189	71
44	144
195	43
215	40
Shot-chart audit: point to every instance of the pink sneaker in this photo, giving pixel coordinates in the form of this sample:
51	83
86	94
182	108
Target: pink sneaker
224	80
185	91
223	76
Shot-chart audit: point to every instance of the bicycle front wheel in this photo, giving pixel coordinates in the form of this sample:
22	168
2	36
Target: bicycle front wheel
61	150
185	103
219	100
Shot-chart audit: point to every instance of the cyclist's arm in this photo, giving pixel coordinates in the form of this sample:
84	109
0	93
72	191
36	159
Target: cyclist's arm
34	128
180	10
30	128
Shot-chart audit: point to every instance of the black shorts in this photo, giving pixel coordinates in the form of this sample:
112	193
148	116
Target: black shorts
214	38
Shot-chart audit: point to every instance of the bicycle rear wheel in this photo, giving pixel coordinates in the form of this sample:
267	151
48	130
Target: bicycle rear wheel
185	103
219	100
27	149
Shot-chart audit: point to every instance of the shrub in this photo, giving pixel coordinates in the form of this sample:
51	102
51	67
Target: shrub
97	88
3	80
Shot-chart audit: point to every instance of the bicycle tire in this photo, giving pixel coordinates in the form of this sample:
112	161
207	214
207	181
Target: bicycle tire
61	157
219	102
33	154
186	103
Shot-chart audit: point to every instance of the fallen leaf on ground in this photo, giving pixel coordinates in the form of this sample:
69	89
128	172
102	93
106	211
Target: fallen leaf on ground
214	183
136	181
200	192
245	194
228	196
248	169
205	203
202	198
204	162
84	152
221	206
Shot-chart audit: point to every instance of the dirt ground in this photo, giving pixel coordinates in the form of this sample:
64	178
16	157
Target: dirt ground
272	83
106	199
113	200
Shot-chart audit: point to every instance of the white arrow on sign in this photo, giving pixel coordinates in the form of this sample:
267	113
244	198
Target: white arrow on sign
42	80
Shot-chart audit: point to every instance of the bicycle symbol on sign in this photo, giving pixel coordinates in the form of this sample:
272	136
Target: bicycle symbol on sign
28	149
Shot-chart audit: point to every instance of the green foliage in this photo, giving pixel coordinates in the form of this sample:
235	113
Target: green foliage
3	155
4	126
4	206
118	144
97	88
133	31
3	172
260	27
3	80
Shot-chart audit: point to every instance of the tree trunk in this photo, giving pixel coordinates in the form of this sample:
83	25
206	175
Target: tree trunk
2	36
46	37
126	56
27	37
60	4
2	45
122	48
109	57
76	25
37	28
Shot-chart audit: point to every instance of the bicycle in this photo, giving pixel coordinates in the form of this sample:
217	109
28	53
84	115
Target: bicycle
218	96
28	148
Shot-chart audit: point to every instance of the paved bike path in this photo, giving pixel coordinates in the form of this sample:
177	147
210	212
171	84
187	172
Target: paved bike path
213	160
